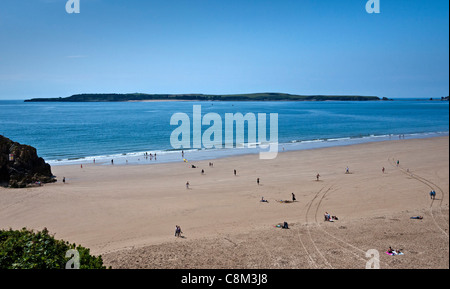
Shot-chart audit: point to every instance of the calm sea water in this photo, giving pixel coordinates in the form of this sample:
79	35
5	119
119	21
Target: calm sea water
79	132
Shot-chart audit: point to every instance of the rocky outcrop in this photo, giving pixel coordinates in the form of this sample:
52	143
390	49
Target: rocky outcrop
20	165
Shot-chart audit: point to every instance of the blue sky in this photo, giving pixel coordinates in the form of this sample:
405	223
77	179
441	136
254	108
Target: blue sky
224	47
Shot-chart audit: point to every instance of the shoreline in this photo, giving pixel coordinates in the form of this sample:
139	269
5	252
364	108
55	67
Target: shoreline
169	156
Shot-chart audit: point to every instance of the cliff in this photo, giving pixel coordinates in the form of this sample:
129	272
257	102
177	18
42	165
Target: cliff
20	165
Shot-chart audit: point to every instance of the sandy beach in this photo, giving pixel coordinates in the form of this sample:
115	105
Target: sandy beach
128	213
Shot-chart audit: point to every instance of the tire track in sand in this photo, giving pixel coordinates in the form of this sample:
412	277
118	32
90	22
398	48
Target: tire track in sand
429	184
309	205
310	258
353	248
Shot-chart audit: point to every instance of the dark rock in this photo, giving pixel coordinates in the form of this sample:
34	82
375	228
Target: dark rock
21	166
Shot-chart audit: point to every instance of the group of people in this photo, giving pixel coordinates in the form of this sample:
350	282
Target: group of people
433	195
393	252
293	199
146	156
149	155
329	218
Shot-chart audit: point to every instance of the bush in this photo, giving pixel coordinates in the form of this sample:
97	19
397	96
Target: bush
26	249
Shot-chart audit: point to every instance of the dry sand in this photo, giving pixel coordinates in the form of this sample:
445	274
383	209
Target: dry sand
128	213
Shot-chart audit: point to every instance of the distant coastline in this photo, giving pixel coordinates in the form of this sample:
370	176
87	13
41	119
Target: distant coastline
203	97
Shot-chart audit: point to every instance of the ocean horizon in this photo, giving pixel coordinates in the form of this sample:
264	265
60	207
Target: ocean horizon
78	133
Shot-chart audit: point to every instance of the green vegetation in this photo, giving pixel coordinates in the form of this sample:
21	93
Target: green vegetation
203	97
26	249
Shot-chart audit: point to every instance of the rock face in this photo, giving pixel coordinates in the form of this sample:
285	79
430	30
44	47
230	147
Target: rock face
21	166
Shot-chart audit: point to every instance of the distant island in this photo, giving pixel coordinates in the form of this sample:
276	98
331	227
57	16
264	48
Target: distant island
203	97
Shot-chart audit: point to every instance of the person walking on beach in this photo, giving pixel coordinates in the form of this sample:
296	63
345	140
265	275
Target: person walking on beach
398	163
347	170
64	180
234	172
257	181
293	197
178	231
112	162
318	176
383	170
203	172
433	195
187	185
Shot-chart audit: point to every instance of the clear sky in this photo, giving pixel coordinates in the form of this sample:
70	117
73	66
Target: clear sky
224	47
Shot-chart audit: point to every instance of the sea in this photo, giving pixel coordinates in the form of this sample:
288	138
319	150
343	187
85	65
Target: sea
129	132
